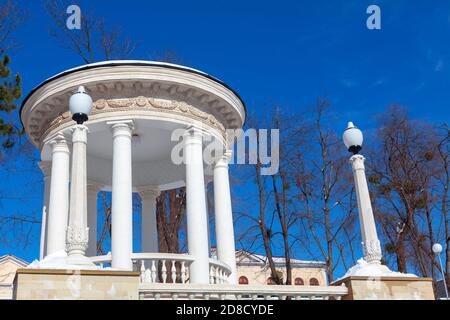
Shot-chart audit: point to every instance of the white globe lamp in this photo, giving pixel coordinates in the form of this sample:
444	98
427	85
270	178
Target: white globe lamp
353	138
80	105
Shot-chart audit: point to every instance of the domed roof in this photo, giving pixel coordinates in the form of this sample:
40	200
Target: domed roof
119	79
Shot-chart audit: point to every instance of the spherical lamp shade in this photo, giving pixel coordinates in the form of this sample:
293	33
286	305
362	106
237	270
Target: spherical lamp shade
437	248
80	105
353	138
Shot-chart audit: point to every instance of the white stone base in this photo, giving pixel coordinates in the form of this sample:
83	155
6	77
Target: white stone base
364	269
60	260
52	284
374	281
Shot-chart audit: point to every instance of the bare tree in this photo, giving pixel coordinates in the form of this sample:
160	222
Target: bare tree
11	16
168	56
442	178
276	194
325	192
410	178
170	214
106	230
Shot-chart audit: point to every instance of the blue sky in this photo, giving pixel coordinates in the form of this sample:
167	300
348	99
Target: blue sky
285	52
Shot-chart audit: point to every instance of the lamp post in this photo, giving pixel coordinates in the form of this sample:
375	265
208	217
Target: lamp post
437	249
80	106
353	139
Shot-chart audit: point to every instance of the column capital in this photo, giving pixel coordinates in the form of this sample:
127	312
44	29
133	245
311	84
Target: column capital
46	168
79	133
194	135
59	143
121	127
149	192
357	162
223	159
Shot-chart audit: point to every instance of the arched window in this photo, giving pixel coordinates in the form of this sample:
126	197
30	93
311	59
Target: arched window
299	282
270	281
313	282
243	280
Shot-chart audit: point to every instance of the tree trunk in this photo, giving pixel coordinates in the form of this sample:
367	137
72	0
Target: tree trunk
400	252
262	224
284	228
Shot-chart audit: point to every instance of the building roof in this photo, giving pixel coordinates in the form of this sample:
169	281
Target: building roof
16	260
246	258
111	63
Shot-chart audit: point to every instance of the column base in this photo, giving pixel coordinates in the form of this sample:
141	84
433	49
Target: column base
60	260
82	261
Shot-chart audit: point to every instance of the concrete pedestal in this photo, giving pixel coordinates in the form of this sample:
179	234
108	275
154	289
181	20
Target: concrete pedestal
47	284
387	288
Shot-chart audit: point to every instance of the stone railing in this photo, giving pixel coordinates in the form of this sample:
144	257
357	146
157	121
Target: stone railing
175	291
162	267
101	261
218	272
168	267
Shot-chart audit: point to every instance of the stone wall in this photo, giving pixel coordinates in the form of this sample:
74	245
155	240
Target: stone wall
387	288
40	284
259	275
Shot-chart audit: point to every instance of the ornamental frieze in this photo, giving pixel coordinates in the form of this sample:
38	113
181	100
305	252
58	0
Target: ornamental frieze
143	103
103	105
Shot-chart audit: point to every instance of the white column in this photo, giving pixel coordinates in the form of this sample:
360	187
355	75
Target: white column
195	207
370	242
58	210
224	216
149	228
46	168
207	217
92	198
78	231
122	196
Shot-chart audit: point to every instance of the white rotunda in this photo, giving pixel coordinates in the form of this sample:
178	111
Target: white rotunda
126	146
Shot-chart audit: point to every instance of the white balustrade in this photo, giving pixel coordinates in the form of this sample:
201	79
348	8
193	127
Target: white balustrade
162	291
162	267
218	272
168	267
165	276
102	260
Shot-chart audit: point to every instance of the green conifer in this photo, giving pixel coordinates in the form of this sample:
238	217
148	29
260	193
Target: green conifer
10	92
